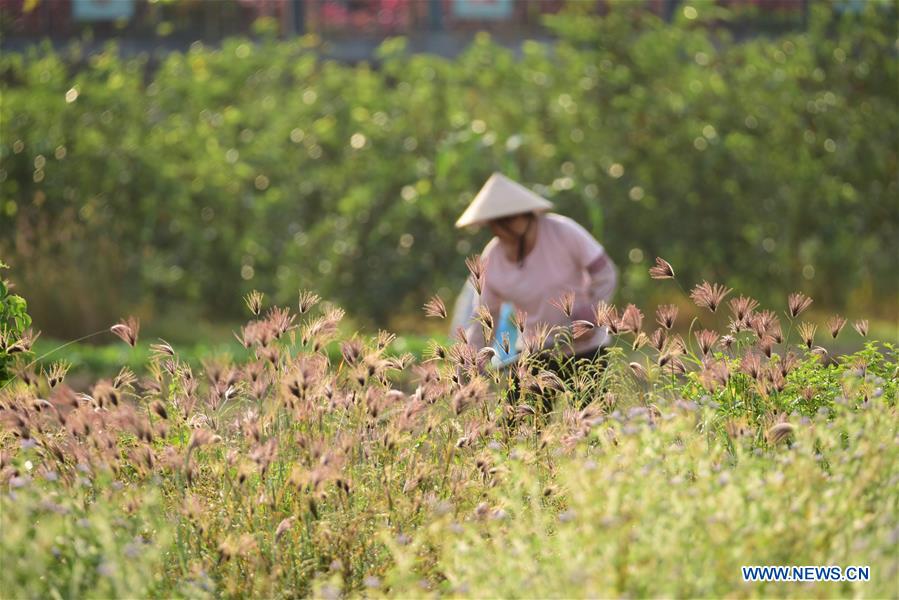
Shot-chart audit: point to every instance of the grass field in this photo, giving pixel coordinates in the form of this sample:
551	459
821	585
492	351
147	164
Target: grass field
317	462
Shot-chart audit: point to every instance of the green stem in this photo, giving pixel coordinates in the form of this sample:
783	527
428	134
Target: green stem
48	353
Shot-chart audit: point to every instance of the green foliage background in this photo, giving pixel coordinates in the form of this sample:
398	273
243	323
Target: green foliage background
14	324
770	163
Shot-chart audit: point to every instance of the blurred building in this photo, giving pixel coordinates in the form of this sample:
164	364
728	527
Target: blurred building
440	26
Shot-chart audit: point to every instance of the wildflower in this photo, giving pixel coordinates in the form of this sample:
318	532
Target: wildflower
665	315
835	324
861	326
706	339
565	303
435	308
727	341
807	333
661	270
127	330
253	301
477	267
307	301
797	303
742	308
632	319
707	295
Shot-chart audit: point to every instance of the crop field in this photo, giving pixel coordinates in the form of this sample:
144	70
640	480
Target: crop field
296	473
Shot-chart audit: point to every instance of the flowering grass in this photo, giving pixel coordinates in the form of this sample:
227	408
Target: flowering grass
297	471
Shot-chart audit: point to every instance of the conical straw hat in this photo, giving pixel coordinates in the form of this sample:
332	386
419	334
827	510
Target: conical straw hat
501	197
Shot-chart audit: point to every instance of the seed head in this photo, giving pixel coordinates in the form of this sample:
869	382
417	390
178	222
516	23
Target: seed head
714	375
706	339
23	344
779	433
435	308
565	303
666	314
632	319
580	328
835	324
307	301
658	339
477	267
58	372
201	437
607	316
519	320
283	527
162	349
807	333
707	295
127	330
797	303
742	308
485	318
763	323
253	301
861	326
661	270
640	340
638	370
159	408
751	365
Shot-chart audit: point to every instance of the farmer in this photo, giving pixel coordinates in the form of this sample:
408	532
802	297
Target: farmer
534	259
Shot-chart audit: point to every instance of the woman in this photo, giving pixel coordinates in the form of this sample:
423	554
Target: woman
536	258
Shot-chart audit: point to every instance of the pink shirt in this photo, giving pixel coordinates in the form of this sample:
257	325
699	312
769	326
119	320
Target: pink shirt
565	258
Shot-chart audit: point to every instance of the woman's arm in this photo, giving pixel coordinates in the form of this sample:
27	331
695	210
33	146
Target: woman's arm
603	279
